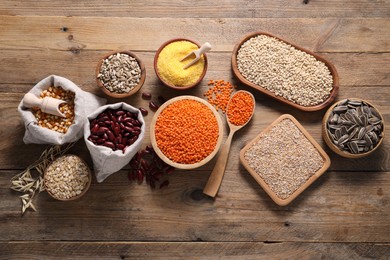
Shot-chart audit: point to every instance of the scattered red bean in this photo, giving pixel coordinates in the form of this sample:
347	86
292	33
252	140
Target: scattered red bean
146	165
108	129
153	106
161	99
143	111
146	95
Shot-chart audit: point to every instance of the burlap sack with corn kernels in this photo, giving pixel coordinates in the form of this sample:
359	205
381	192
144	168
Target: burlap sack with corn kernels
84	104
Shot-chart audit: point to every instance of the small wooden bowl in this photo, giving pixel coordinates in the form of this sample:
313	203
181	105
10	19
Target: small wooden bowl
333	147
330	66
181	165
85	188
167	83
131	92
263	184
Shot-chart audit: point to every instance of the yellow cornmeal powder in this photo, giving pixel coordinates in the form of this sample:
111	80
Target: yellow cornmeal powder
171	69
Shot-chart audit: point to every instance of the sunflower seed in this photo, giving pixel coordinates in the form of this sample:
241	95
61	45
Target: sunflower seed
340	109
353	147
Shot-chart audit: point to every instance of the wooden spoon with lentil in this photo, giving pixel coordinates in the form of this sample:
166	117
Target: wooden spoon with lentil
239	112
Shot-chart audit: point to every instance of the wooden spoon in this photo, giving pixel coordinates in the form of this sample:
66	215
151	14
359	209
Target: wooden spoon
215	179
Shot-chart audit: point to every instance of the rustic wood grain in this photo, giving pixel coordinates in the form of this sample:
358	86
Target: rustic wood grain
333	209
209	250
343	215
202	8
140	34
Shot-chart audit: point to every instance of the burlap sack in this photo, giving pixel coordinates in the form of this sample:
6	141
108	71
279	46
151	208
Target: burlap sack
105	160
85	103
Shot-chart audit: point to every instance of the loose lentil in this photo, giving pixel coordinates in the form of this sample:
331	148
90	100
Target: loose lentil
171	69
186	131
240	108
219	93
284	70
66	177
284	158
52	122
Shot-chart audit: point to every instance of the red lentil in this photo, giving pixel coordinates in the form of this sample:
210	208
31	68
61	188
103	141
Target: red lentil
219	94
240	108
186	131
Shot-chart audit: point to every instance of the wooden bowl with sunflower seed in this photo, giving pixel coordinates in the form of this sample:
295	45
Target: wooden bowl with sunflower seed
353	128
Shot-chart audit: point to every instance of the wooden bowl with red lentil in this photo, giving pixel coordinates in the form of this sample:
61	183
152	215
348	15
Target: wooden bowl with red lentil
186	132
168	65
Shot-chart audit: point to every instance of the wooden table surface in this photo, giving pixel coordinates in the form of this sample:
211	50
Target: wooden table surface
345	214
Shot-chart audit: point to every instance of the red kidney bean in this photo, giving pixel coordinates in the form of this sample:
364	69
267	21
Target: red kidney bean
94	137
100	141
116	129
102	119
95	128
161	99
128	129
118	139
144	112
120	112
129	124
146	95
109	145
153	106
110	135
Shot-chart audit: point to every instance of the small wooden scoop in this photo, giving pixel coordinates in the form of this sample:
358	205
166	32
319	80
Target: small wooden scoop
48	104
198	53
215	179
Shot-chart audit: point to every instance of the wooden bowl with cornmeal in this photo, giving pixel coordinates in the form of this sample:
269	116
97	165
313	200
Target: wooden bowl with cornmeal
169	66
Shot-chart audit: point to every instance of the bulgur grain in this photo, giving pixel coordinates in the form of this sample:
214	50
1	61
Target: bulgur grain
284	158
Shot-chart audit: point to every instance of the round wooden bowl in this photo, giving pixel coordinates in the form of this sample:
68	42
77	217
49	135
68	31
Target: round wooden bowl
333	147
169	84
77	196
131	92
180	165
330	66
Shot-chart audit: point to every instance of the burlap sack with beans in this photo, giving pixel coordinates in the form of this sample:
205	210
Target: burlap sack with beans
85	103
105	160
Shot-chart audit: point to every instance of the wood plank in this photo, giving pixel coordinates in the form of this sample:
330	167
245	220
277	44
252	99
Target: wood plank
180	250
331	210
34	65
139	34
202	9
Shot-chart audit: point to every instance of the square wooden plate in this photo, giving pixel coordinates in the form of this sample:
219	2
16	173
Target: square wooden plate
263	184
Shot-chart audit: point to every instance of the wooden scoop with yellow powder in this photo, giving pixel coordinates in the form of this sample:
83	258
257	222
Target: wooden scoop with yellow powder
170	64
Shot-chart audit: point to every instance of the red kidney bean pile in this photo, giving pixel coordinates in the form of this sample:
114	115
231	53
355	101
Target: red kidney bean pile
147	165
116	129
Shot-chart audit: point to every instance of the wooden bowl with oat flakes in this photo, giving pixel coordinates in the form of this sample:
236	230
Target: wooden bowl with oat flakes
120	74
284	159
285	71
67	178
353	128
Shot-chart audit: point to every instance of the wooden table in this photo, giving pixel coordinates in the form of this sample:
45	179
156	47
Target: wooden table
344	215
